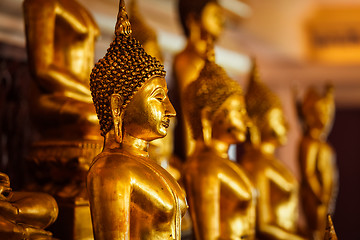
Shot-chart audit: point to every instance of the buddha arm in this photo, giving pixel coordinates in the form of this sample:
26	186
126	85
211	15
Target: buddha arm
40	17
8	210
264	215
308	158
285	184
238	186
110	197
204	196
328	171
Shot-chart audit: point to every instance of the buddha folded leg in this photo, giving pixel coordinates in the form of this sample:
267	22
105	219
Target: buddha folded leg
65	118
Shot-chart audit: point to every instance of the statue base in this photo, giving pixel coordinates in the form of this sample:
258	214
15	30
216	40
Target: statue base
60	168
74	221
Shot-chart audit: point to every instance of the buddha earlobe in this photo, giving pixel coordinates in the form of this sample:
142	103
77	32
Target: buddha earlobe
117	113
206	126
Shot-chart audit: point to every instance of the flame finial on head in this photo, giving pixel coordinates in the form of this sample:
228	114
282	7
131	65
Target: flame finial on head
259	98
122	26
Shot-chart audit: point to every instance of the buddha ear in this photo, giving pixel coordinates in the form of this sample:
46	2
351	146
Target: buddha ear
206	125
117	113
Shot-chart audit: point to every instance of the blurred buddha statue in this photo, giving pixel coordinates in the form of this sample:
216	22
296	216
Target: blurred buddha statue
278	191
60	38
131	196
143	32
317	160
330	233
25	215
202	20
219	192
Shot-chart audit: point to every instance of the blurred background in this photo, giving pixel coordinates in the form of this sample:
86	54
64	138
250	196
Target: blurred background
296	43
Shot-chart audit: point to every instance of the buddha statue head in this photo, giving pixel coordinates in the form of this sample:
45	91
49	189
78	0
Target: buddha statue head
142	32
265	111
318	110
203	17
129	89
215	106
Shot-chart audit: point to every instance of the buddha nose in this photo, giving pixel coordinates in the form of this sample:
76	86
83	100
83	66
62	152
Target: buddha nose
169	110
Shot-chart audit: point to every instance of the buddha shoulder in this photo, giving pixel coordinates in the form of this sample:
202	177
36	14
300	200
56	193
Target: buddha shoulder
113	162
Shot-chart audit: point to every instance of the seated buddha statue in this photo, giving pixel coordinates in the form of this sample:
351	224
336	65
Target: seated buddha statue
317	160
60	38
131	196
202	21
220	195
25	215
278	191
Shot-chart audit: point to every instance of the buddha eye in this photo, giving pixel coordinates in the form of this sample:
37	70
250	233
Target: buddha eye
160	95
160	98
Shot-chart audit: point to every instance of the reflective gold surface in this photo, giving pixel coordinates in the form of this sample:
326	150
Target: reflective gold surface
317	160
131	196
278	192
220	194
25	215
161	151
202	21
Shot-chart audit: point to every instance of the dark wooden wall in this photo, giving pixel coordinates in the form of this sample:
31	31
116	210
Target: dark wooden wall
15	129
345	138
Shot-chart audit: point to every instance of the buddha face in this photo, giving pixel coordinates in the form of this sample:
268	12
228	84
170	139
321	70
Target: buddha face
212	19
148	114
231	120
275	127
320	115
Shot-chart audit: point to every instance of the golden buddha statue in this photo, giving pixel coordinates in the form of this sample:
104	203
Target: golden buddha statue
25	215
219	192
60	38
317	160
202	21
330	233
278	192
131	196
